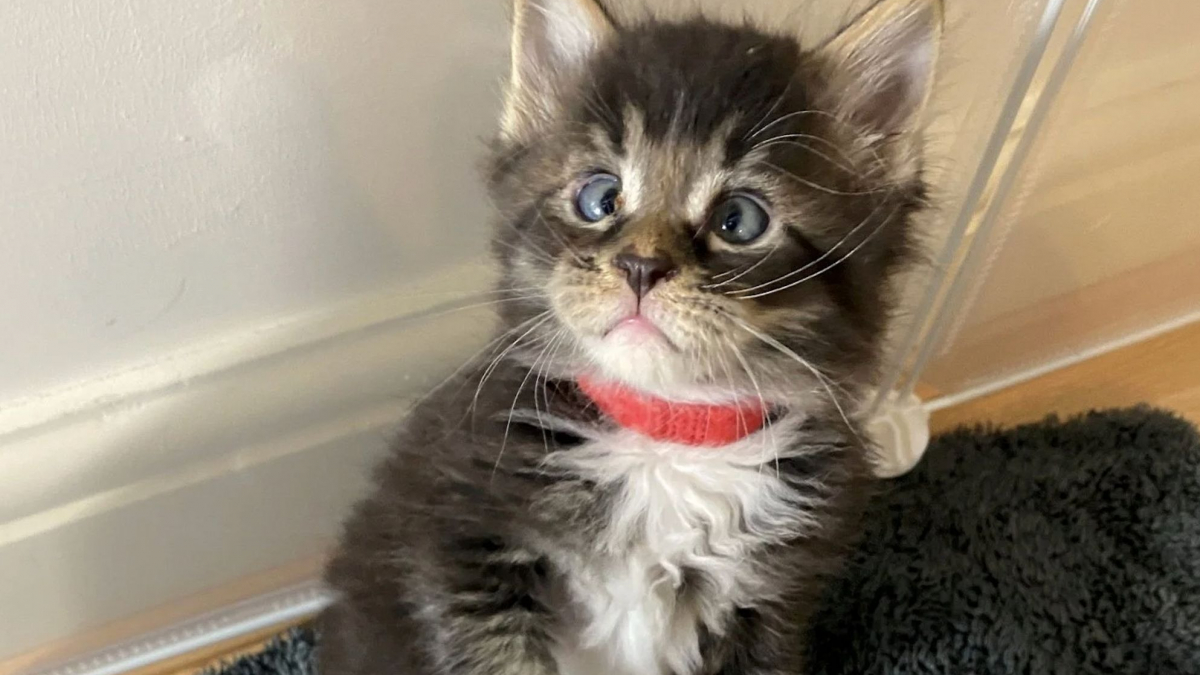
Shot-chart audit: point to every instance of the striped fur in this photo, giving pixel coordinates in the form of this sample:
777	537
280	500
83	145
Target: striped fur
514	530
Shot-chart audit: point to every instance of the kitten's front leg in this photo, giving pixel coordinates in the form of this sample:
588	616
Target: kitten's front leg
494	631
493	617
476	611
493	646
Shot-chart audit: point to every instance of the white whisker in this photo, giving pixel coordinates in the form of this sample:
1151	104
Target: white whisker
770	431
529	240
817	186
473	360
758	126
558	235
799	270
828	267
746	271
821	377
540	319
512	408
844	165
532	253
468	362
783	118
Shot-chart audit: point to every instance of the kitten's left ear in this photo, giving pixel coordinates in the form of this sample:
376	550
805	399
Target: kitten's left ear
551	42
882	65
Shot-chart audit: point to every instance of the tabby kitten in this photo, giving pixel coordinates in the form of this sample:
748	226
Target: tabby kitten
660	457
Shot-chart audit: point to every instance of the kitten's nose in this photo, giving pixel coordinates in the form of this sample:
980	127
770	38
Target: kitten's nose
642	272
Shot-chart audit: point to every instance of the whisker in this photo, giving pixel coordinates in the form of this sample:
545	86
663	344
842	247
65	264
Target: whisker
831	265
546	370
428	316
799	270
465	294
726	273
565	129
754	381
744	272
877	162
561	239
818	186
758	126
825	382
534	254
783	118
557	342
725	366
421	399
513	408
478	305
843	164
474	358
541	319
524	235
601	107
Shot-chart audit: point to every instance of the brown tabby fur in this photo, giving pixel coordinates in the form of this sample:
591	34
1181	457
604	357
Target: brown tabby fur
493	510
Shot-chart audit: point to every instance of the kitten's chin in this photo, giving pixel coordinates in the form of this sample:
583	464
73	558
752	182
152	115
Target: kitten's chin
638	354
637	331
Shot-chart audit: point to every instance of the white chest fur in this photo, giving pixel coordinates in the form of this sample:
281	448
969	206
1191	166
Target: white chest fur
681	512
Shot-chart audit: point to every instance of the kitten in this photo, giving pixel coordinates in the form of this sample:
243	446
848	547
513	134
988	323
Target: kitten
659	460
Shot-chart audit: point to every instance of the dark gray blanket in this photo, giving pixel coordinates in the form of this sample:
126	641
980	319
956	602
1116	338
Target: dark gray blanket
1059	547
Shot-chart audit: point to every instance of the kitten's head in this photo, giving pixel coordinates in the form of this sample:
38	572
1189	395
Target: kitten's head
705	210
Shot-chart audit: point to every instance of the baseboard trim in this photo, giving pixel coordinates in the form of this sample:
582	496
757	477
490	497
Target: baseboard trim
457	286
1066	361
132	490
281	608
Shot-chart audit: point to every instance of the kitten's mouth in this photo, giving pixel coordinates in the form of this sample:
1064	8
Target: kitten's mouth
638	329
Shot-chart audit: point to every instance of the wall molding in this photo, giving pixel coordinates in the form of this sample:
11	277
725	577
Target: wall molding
279	608
104	480
458	285
327	367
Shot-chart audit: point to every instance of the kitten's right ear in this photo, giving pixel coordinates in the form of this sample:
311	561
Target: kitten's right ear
551	42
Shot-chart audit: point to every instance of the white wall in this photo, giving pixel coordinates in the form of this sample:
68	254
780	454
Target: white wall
176	170
213	214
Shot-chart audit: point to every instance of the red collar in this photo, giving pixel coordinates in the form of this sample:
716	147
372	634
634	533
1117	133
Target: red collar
663	420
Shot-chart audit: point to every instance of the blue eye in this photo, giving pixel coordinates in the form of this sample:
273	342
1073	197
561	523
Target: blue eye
599	197
739	220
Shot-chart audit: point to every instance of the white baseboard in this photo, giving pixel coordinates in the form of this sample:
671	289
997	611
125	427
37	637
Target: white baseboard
140	487
273	609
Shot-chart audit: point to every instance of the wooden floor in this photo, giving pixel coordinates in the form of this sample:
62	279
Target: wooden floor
215	599
1163	371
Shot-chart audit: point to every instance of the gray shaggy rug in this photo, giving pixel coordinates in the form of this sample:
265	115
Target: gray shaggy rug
1059	547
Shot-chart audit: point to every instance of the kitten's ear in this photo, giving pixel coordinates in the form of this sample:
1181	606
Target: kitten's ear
882	64
551	41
